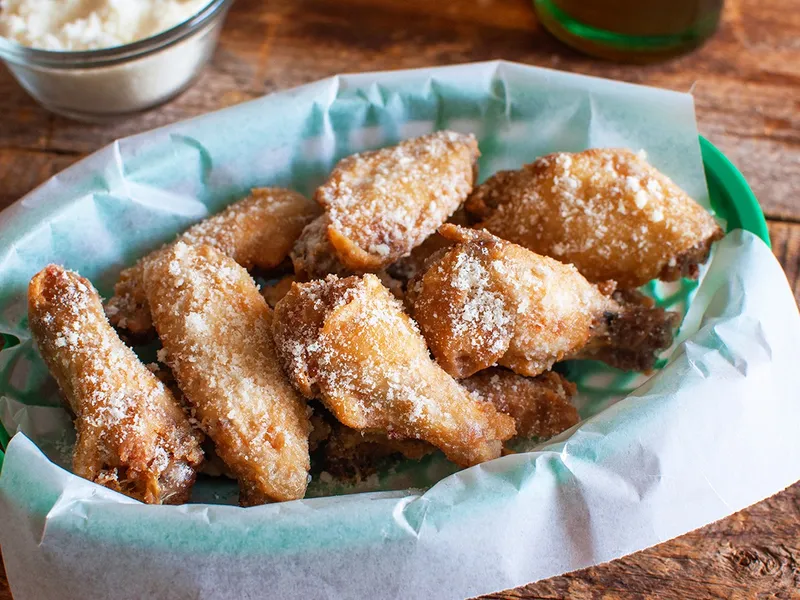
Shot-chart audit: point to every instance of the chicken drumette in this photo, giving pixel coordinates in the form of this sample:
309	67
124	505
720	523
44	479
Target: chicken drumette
133	436
487	301
606	211
215	328
258	231
349	343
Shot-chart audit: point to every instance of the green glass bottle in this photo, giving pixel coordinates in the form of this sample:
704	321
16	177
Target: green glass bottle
630	30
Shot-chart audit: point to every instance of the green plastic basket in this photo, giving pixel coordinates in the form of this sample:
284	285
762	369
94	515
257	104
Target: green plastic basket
730	194
731	198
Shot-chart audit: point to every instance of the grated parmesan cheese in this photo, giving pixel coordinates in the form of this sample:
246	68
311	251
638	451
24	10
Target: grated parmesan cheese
90	24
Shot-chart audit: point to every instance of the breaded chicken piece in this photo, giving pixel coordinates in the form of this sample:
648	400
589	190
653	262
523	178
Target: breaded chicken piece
353	453
540	406
627	339
215	328
258	231
349	343
212	465
606	211
133	436
381	204
487	301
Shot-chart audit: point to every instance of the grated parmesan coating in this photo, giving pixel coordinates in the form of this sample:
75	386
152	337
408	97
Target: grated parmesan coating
487	301
215	327
540	406
382	204
133	436
606	211
348	342
258	231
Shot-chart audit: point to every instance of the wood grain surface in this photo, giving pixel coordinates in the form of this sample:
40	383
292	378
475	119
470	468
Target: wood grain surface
746	84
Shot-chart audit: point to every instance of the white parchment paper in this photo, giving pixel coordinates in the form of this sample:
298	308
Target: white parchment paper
714	431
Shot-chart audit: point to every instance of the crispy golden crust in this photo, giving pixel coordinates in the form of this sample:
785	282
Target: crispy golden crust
540	406
256	232
382	204
133	436
606	211
215	328
348	342
212	465
487	301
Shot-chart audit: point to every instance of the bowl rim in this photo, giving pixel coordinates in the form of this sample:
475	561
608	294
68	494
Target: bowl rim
18	54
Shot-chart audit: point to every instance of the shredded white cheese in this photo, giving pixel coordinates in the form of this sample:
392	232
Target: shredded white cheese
90	24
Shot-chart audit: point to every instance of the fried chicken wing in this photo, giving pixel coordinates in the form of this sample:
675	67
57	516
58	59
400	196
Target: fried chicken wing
487	301
540	406
353	453
133	436
258	231
215	328
348	342
606	211
381	204
357	454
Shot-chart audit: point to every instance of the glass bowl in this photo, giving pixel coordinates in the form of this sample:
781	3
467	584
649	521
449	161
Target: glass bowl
110	83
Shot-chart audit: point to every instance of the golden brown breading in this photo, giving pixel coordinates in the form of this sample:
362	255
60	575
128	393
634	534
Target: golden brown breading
212	465
133	436
215	328
274	292
348	342
381	204
606	211
540	406
487	301
258	231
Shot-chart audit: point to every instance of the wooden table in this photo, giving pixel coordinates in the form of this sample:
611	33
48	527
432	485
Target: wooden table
746	83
